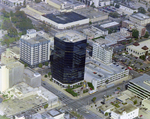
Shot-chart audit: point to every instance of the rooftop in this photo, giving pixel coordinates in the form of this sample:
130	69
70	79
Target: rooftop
65	17
110	24
115	37
126	108
34	37
142	81
54	112
70	36
15	49
140	16
124	97
93	31
104	46
101	28
102	70
90	12
144	45
103	41
14	64
30	73
105	107
16	106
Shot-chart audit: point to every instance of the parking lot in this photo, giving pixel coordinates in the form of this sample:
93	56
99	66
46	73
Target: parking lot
136	64
108	9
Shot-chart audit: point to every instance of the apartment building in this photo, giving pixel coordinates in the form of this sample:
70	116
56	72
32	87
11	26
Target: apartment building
34	48
102	53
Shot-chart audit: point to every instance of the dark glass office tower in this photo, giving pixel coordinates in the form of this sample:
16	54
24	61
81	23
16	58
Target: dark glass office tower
68	61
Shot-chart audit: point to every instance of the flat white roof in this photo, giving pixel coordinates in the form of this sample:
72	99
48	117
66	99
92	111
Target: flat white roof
70	36
109	24
140	16
139	47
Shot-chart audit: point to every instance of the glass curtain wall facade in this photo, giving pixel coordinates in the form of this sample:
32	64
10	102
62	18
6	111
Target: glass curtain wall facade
68	61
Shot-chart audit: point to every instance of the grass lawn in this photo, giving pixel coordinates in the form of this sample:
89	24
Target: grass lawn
3	117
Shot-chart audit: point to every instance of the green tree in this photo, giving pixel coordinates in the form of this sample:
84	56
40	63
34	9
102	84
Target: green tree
135	102
6	24
12	32
45	106
106	114
5	13
37	1
135	33
148	9
94	99
11	13
46	63
146	34
40	65
91	85
106	81
90	22
49	73
45	76
118	88
141	10
25	65
117	6
24	3
114	14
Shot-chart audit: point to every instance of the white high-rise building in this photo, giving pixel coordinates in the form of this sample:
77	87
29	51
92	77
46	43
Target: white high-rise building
10	75
34	48
102	53
4	78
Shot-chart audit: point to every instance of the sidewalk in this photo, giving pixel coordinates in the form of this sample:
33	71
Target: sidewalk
85	94
96	112
49	108
58	87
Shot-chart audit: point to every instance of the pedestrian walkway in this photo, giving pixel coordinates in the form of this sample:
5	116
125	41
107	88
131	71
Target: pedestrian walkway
84	94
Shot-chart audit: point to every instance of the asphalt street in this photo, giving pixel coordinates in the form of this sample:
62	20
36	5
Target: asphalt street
79	104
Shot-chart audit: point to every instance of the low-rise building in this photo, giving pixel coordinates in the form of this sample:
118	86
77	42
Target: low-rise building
128	111
13	3
140	19
93	14
130	25
146	103
114	38
65	4
140	86
123	98
102	53
7	57
138	49
65	20
31	77
93	32
101	3
110	25
103	74
126	32
26	98
106	108
15	51
126	9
